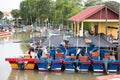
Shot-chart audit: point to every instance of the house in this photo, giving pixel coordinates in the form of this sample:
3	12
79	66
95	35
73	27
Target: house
7	15
102	18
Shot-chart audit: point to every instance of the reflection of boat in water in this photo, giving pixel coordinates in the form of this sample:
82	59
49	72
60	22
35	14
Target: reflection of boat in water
22	75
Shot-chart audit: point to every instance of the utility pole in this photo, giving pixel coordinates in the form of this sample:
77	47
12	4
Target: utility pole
119	36
118	49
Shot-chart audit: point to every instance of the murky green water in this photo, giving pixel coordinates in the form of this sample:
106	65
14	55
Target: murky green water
10	49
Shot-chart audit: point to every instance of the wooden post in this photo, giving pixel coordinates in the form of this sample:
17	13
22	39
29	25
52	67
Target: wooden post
81	29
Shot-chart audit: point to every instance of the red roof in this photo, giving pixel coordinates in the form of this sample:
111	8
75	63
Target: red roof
86	13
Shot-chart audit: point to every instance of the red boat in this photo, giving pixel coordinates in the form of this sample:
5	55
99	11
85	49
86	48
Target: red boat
108	77
5	34
25	63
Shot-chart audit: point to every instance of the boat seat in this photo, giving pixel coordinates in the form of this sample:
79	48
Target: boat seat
27	56
107	56
83	58
94	54
59	55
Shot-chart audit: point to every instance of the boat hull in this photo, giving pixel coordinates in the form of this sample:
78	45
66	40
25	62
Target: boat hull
28	63
97	66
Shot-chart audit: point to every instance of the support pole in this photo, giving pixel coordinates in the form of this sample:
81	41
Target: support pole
118	49
81	34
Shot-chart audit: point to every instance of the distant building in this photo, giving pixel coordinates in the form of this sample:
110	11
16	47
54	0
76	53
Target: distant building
103	19
7	15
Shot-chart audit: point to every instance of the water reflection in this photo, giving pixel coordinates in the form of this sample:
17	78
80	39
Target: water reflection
36	75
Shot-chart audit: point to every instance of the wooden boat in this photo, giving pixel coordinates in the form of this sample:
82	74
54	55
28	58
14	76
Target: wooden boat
42	64
105	65
84	63
97	64
70	63
5	34
56	65
25	63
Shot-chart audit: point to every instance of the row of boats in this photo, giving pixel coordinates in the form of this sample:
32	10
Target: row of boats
83	57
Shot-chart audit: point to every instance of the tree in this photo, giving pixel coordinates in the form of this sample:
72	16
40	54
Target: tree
88	3
65	9
15	13
1	15
113	5
35	10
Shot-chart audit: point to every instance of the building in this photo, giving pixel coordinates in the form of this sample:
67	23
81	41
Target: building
7	15
102	18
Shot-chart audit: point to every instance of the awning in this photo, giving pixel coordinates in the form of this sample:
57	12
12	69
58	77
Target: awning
54	40
99	41
77	42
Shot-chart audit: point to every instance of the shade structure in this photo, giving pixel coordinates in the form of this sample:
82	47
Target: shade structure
99	41
77	42
35	39
31	40
54	40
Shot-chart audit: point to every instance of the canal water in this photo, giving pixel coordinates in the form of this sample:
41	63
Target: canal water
8	48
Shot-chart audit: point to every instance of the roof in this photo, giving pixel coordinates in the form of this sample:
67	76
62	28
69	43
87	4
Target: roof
77	42
54	40
99	41
88	12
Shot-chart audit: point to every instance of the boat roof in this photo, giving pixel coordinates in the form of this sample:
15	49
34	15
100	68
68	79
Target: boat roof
99	41
77	41
54	40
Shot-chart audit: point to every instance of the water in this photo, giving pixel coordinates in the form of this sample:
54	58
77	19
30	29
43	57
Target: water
10	49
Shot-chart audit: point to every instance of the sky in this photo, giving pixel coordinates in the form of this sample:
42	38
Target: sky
8	5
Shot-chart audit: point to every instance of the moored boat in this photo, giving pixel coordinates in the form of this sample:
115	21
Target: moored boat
42	64
21	63
84	63
70	63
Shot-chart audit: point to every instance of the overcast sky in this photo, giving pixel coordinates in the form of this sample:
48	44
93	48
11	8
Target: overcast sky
8	5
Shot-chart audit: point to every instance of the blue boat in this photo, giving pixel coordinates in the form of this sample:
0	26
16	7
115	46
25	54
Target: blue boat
42	64
57	64
84	63
102	61
70	63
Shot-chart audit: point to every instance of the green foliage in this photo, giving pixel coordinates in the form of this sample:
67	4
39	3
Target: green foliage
113	5
65	9
15	13
35	10
58	11
87	26
1	15
88	3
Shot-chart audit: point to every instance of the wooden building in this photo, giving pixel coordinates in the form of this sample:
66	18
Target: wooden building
102	18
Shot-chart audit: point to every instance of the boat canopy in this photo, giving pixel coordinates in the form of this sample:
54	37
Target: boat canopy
99	41
77	42
54	40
